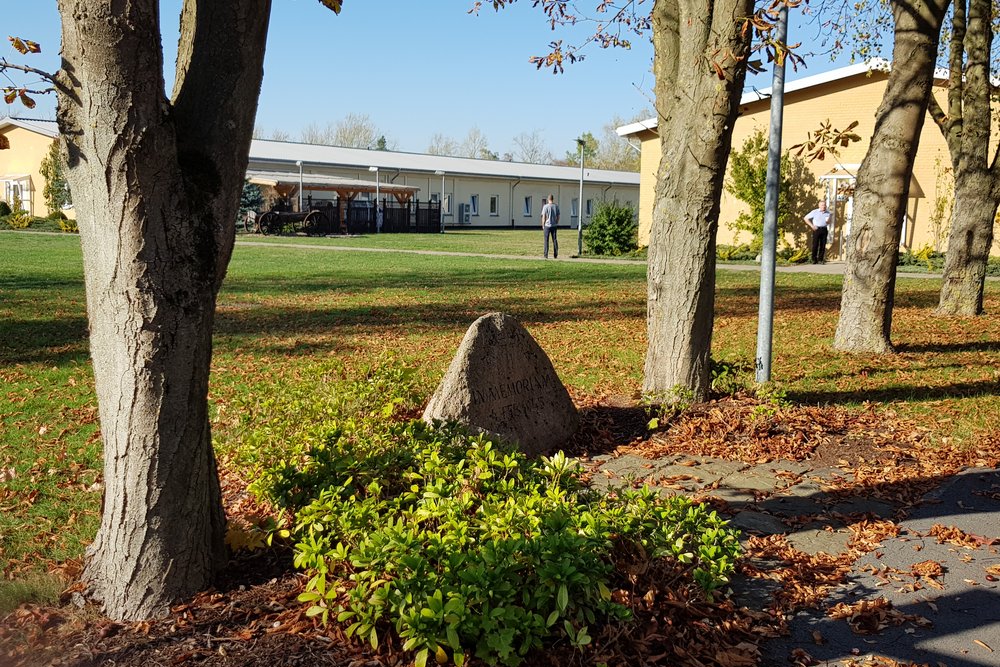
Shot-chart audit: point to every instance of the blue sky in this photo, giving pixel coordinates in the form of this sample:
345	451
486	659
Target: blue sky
415	68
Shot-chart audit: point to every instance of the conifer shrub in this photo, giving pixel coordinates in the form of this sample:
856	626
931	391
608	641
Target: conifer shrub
614	230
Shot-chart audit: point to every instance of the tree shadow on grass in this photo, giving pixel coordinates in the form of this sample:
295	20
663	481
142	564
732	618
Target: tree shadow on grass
899	393
50	342
970	346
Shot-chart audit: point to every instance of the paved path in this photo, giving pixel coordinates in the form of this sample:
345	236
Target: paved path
962	605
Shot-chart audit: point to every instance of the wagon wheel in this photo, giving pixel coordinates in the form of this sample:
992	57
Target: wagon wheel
312	222
250	224
269	223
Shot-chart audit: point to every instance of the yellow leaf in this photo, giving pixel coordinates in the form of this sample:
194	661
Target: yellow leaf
335	5
18	45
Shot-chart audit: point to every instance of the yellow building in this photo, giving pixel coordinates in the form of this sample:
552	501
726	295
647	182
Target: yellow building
841	97
26	142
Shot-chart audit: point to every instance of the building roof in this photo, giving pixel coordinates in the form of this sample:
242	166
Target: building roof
314	155
46	128
755	95
262	150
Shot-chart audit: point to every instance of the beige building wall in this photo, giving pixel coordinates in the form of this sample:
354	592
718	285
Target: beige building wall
24	157
840	102
511	210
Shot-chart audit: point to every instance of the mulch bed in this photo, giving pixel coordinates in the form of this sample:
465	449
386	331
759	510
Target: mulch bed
253	618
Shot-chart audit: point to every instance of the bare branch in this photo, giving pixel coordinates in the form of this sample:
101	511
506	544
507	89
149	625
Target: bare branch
7	65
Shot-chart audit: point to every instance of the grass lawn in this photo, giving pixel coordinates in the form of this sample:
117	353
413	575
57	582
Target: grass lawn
288	316
520	242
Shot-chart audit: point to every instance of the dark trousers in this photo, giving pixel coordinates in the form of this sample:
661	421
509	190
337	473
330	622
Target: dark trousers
819	244
550	231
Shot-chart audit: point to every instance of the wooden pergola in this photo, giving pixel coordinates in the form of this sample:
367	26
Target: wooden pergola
286	184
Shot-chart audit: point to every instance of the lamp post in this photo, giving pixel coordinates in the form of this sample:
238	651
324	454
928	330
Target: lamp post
440	173
375	169
579	217
765	306
298	163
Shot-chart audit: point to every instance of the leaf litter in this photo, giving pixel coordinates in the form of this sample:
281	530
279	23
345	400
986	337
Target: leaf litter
252	617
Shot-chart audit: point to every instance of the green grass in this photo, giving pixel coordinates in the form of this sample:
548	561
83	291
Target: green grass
519	242
41	589
289	314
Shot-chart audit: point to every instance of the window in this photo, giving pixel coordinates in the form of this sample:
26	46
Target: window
446	209
435	197
574	207
494	205
527	207
474	205
590	207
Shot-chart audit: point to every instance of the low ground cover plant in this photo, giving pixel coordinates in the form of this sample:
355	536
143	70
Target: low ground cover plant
461	546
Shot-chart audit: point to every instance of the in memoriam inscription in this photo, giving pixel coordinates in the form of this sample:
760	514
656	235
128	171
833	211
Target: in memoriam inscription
501	381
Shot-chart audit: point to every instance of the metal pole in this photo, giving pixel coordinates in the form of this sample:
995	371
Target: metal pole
765	313
579	217
299	163
375	212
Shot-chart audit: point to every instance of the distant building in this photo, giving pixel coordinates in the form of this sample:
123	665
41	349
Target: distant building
27	142
475	194
839	96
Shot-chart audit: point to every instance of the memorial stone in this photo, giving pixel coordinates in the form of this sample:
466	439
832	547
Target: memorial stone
502	382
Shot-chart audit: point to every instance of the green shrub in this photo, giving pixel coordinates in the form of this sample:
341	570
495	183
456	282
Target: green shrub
4	209
925	258
736	253
56	215
68	225
613	230
793	255
53	170
19	219
465	548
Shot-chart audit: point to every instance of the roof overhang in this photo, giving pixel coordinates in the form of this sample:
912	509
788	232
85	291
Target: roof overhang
873	65
45	128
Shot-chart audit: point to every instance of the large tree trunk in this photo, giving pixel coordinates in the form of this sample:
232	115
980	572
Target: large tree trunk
700	64
969	243
966	127
156	183
883	182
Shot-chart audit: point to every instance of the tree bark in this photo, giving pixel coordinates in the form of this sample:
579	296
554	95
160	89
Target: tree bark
966	126
883	181
700	64
969	243
156	183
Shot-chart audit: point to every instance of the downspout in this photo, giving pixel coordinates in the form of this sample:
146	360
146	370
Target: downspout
514	185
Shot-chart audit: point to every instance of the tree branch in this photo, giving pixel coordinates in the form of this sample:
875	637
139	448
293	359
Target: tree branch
5	65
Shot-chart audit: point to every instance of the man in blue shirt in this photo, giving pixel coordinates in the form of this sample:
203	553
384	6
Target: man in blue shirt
818	220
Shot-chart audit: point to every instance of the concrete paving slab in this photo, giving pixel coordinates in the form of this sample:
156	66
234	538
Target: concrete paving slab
635	467
752	481
758	523
814	539
962	603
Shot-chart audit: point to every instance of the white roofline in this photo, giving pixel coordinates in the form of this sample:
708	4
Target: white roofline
265	151
46	128
873	65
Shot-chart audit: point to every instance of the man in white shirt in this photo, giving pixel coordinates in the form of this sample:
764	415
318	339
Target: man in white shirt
818	220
